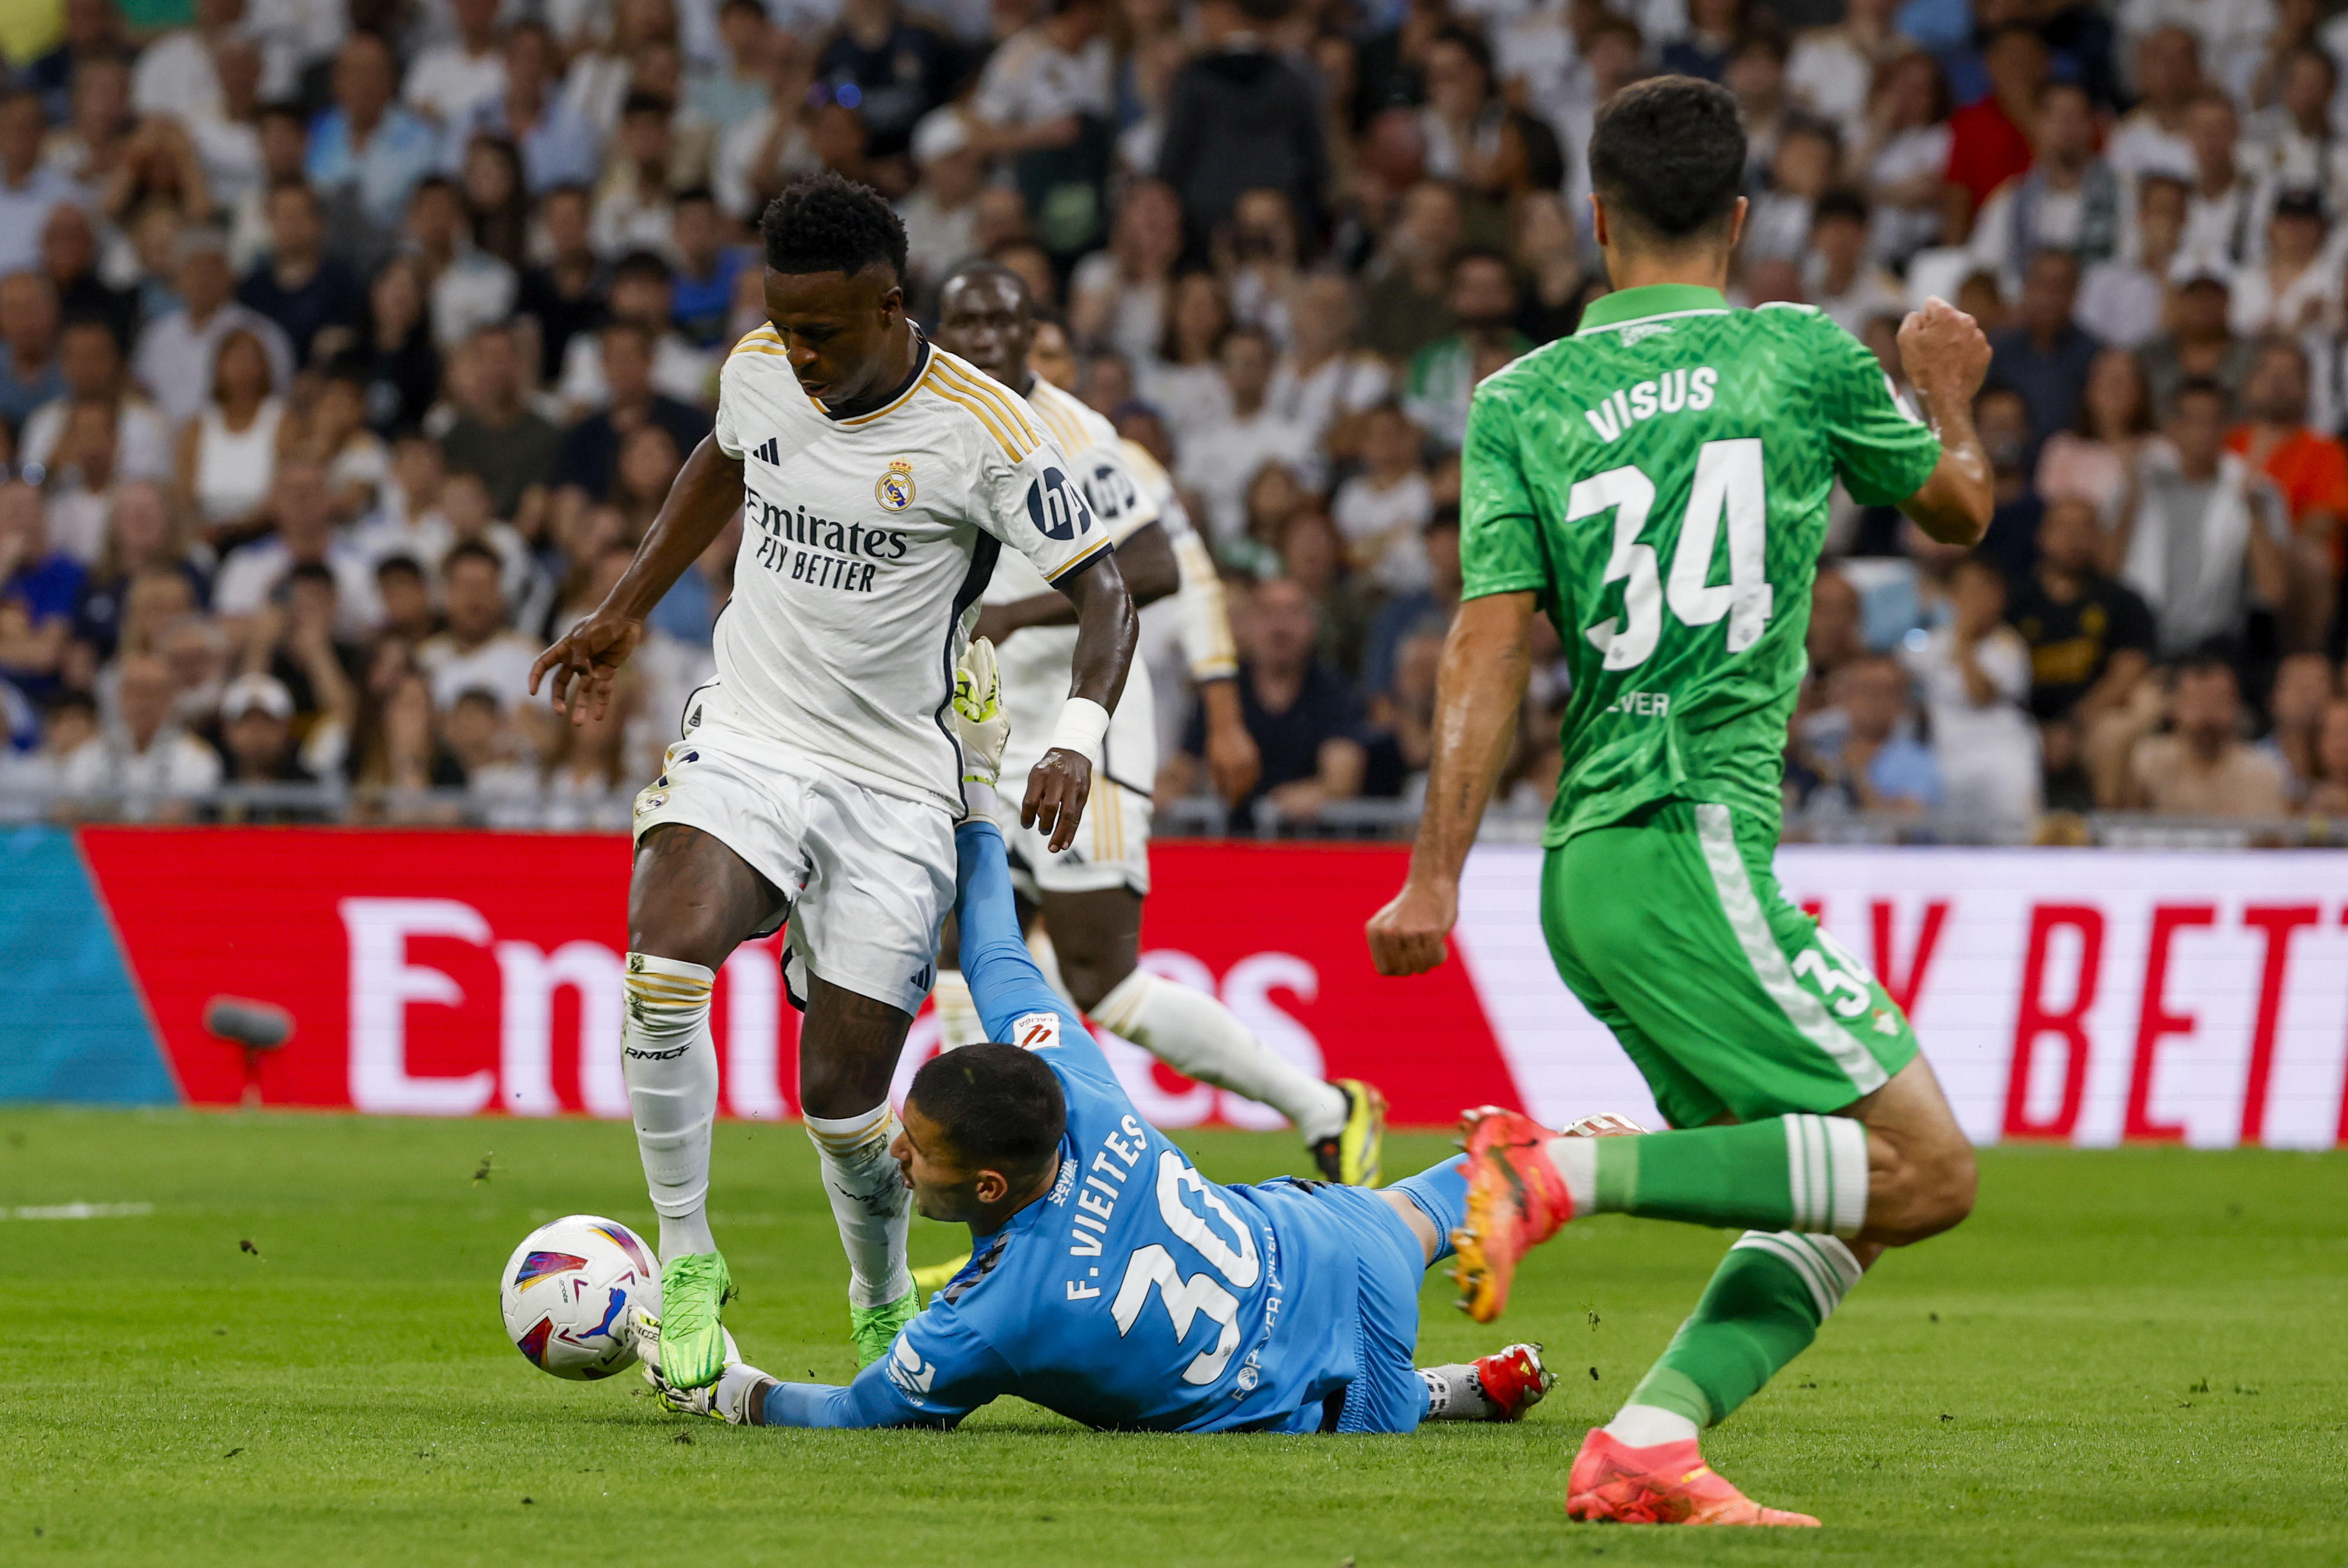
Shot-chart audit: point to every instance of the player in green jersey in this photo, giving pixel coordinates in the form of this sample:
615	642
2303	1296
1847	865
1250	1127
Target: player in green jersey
1657	486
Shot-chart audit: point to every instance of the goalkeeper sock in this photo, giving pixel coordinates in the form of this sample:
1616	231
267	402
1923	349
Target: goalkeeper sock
958	1022
1762	1309
670	1066
1453	1394
869	1202
1798	1172
1197	1036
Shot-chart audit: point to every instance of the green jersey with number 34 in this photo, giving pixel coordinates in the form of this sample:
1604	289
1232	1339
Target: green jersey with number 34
1660	479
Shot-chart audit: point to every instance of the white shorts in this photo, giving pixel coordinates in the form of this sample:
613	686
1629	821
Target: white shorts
1111	847
867	878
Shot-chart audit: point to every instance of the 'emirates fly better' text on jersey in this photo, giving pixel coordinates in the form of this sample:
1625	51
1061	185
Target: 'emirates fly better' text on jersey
865	542
1660	480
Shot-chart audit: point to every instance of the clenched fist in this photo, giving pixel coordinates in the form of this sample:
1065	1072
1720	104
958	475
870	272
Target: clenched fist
1944	353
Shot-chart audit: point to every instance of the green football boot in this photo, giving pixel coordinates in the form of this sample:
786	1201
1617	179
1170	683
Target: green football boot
694	1287
874	1328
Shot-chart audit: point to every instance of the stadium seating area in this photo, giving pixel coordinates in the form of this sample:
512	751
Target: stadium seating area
348	346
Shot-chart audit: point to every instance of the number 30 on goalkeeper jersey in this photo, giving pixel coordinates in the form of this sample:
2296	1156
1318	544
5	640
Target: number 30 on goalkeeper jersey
866	543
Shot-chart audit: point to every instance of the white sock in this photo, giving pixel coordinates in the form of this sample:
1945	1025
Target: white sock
670	1066
1576	1160
1197	1036
869	1202
1453	1394
1643	1426
958	1020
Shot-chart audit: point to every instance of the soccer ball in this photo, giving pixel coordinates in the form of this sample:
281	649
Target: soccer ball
571	1292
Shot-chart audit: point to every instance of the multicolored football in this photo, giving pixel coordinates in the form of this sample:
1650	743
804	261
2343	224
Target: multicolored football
569	1295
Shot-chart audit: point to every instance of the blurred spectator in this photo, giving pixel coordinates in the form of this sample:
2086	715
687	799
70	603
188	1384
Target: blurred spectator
397	745
89	148
176	351
1902	156
367	153
2090	640
2298	283
1801	168
2151	136
2123	298
298	286
1313	558
450	81
29	373
2289	139
2096	459
1239	117
176	76
1831	68
301	518
69	256
2220	224
1547	256
2045	355
589	448
2202	767
477	651
2199	344
257	740
397	354
725	92
2303	686
143	534
281	135
228	452
469	287
558	145
81	472
1974	670
1834	637
1703	50
1044	101
1184	376
1301	713
335	437
890	68
1860	750
146	754
1838	275
39	586
761	153
1405	308
1120	297
600	75
634	202
710	269
1482	301
2329	796
406	599
564	294
1425	611
497	201
495	433
2310	471
2003	419
2070	200
1218	459
30	189
2208	536
1988	144
941	215
642	293
89	361
1325	385
1382	511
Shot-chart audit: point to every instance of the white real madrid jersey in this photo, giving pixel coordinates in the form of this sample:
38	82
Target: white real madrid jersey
866	543
1036	661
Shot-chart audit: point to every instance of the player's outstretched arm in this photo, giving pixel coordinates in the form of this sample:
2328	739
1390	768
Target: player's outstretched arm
586	659
1106	628
1485	661
1945	356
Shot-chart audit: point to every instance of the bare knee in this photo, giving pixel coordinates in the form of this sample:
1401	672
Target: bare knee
848	1051
693	899
1917	1187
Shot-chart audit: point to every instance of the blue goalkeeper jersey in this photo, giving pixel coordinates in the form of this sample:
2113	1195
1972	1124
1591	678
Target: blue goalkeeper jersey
1137	1294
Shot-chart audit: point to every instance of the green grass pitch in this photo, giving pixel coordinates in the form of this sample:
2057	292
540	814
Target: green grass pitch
2137	1357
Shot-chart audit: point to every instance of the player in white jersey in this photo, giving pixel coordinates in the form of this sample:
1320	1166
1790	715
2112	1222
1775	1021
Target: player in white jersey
1089	893
880	481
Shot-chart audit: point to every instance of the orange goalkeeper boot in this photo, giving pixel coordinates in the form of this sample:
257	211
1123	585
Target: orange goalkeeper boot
1515	1201
1666	1484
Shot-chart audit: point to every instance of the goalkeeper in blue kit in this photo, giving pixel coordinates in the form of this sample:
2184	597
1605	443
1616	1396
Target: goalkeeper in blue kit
1109	1281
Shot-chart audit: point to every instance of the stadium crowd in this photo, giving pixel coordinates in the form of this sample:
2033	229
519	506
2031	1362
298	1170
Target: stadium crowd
349	346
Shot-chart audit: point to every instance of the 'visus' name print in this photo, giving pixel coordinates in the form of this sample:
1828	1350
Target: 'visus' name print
1670	392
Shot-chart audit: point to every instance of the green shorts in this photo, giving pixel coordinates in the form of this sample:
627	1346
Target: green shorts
1671	929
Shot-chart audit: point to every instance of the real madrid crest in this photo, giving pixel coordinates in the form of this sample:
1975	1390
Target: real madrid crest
895	489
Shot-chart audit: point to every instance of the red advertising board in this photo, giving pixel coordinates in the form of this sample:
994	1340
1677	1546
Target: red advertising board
2092	997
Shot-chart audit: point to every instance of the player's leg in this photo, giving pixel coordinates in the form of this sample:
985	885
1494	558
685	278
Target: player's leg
691	901
849	1047
1096	935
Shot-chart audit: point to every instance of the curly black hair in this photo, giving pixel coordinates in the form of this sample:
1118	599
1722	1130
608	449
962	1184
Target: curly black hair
1667	158
823	223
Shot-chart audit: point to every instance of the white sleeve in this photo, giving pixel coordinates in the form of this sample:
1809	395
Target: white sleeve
727	426
1029	500
1118	498
1202	615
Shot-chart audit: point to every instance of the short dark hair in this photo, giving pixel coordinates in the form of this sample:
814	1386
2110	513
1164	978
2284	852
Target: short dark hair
823	223
315	571
988	267
1667	158
1841	203
998	1105
398	566
472	549
2202	386
643	266
641	100
697	194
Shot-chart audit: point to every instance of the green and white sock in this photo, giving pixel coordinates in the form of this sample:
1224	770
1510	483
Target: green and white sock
1801	1172
1762	1309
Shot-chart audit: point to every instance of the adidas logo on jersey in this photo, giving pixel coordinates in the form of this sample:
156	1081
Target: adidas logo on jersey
769	451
